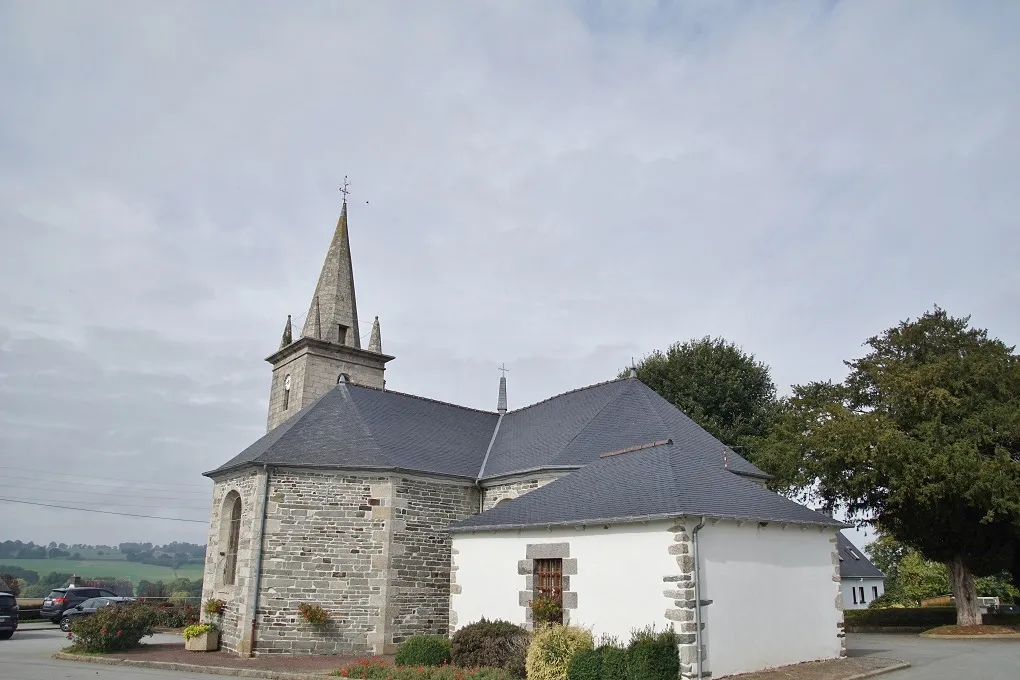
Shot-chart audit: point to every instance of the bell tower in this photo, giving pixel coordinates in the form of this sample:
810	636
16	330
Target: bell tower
329	349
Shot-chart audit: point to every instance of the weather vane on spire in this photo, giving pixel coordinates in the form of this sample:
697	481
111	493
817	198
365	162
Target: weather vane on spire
504	369
344	190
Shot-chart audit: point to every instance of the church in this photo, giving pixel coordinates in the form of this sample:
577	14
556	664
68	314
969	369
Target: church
400	515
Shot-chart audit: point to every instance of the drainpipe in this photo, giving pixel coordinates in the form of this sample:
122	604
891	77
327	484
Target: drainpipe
697	594
257	581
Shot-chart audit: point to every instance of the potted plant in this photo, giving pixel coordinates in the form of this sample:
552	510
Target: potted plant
547	609
214	607
313	614
202	637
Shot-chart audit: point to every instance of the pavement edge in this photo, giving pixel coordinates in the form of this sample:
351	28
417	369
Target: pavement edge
898	666
191	668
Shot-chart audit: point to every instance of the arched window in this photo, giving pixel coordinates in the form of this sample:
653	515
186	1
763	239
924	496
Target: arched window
286	393
231	520
502	501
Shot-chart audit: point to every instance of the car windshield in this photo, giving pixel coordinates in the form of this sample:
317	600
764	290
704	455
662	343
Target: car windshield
7	601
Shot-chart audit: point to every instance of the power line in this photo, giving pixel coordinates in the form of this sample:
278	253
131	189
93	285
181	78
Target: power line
110	504
103	512
109	479
110	486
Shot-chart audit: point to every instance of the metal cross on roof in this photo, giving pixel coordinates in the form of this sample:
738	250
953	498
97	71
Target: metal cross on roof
504	369
344	190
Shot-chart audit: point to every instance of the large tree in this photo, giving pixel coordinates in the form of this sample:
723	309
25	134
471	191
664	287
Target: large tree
718	385
923	440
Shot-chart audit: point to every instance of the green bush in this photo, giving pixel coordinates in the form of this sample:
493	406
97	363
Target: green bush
615	663
424	650
551	650
654	655
585	665
376	669
917	617
196	630
112	629
494	644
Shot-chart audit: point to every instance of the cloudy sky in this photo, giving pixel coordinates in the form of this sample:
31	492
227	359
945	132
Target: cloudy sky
560	186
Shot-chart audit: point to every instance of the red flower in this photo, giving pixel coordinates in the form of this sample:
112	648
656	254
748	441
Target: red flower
104	629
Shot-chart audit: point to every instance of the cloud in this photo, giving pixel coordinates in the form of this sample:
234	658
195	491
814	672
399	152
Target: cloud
560	186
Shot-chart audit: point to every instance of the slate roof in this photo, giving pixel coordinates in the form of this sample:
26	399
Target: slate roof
363	427
853	563
661	481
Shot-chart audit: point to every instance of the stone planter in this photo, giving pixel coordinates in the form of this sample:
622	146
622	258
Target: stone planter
206	642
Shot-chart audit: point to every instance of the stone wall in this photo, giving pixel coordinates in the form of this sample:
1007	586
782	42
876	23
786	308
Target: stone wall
236	618
314	368
840	625
498	492
326	543
420	562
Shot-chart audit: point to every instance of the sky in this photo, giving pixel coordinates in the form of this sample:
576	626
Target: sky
558	185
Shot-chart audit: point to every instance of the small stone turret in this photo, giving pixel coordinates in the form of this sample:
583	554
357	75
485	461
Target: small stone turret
288	334
501	403
375	341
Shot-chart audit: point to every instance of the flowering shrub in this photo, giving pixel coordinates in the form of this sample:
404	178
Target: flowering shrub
196	630
214	606
112	628
376	669
313	614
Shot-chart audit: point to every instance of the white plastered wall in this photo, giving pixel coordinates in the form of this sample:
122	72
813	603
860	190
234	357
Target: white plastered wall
619	579
852	592
774	600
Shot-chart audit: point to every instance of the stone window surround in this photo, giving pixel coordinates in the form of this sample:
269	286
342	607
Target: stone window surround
526	568
220	585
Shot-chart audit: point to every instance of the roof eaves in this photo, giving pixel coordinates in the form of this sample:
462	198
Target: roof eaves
835	524
352	468
531	471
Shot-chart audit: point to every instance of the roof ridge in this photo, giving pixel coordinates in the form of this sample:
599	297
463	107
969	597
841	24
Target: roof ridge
429	399
577	389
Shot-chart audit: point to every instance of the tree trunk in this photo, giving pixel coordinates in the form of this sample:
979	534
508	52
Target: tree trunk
965	592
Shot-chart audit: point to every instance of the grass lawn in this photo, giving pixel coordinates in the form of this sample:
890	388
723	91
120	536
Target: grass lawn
114	568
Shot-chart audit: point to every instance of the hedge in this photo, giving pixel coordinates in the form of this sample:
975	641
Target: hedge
917	617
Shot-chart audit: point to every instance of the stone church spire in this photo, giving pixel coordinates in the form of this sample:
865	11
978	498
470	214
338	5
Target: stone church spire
333	302
288	334
329	350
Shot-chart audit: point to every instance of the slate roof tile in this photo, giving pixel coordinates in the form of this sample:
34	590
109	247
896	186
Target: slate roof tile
853	563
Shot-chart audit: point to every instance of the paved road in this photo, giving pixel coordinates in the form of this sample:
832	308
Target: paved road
941	659
26	656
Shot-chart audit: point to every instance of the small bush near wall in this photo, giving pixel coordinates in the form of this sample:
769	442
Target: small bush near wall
654	655
495	644
586	665
615	662
376	669
169	615
112	629
551	650
913	617
424	650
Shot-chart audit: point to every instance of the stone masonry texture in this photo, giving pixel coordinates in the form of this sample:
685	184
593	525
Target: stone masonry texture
313	371
370	549
498	492
679	590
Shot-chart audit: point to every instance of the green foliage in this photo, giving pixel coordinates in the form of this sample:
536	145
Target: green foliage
170	615
654	655
717	384
313	614
112	629
424	650
495	644
214	606
923	439
377	669
551	650
30	577
546	610
615	662
196	630
585	665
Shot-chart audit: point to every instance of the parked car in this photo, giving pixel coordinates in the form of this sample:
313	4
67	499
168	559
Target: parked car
61	599
88	608
8	615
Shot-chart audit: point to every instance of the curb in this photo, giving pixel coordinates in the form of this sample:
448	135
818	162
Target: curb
192	668
997	636
899	666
